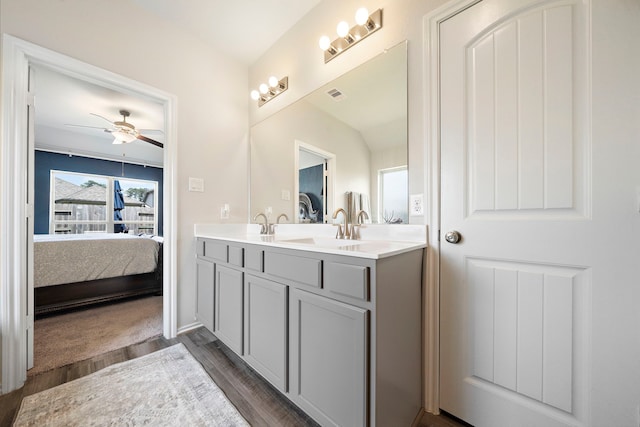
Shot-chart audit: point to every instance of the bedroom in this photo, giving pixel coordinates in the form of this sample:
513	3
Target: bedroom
88	185
213	135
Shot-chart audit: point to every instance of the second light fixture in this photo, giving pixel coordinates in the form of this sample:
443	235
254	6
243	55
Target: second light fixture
365	25
266	92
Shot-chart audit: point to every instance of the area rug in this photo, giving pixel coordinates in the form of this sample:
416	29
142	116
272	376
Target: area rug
165	388
71	337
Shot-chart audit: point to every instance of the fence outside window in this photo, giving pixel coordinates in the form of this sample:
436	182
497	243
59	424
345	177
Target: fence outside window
84	203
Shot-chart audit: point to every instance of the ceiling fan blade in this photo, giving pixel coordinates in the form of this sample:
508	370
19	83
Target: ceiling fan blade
151	141
90	127
103	118
148	131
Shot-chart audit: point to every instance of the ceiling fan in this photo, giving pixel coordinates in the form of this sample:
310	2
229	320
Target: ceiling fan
124	132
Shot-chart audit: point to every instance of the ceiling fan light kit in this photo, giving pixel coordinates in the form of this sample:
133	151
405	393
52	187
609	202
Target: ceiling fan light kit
121	137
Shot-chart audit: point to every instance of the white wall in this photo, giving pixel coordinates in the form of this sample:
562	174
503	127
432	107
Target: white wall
212	118
615	231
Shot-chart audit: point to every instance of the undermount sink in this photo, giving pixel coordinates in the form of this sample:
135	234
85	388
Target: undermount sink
324	242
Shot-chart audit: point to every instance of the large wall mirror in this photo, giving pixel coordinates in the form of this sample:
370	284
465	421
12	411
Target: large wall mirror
342	146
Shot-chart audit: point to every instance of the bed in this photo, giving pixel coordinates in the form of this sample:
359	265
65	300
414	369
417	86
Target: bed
76	270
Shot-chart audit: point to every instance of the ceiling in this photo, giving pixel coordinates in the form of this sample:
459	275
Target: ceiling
224	23
64	101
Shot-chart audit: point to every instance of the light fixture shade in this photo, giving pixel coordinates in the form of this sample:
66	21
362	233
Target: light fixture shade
273	81
122	137
342	29
263	88
255	95
324	42
362	16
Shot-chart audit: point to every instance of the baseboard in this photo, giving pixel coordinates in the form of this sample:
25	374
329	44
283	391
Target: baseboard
190	327
416	421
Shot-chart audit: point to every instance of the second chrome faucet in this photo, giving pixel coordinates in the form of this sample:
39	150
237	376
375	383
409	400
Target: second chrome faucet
350	231
266	227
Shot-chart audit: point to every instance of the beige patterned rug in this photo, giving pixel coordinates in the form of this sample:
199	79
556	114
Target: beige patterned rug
165	388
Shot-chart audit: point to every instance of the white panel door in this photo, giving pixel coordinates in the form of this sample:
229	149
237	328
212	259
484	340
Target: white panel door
515	186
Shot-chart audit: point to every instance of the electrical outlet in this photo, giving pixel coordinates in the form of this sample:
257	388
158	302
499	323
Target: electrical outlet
224	211
285	195
268	211
416	206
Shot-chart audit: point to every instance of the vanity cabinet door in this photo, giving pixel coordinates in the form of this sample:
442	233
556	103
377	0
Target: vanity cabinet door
204	293
328	359
265	329
228	307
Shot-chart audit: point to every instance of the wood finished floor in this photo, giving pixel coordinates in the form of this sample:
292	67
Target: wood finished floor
257	400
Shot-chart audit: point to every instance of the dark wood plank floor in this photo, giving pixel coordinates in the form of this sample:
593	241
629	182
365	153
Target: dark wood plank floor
257	400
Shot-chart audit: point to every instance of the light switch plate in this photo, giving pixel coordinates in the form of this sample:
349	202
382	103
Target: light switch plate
196	184
285	195
416	206
224	211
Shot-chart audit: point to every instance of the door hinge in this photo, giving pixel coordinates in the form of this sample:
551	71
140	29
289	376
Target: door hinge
31	99
438	235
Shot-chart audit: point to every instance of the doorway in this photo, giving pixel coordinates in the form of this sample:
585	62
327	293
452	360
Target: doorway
314	183
17	215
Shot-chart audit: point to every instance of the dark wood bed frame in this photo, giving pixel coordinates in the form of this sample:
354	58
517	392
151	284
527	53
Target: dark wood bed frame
50	299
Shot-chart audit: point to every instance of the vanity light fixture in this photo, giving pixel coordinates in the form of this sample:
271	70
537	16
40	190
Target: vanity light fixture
365	26
266	92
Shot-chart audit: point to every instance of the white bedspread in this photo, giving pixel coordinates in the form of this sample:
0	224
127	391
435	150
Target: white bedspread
70	258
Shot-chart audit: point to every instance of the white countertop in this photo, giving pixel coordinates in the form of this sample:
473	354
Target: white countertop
376	240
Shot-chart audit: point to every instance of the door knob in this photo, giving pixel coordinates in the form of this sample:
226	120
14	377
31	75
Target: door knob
452	237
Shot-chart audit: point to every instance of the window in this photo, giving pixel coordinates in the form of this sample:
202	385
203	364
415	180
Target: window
393	187
83	203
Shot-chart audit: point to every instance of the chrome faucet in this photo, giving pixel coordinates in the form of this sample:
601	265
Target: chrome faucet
342	234
360	215
355	228
280	216
264	227
271	228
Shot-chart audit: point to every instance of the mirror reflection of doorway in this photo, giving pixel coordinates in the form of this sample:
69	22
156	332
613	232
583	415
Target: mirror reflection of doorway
314	183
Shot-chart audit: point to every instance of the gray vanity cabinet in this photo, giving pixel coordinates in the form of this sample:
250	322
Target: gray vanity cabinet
228	302
265	329
328	359
338	335
204	290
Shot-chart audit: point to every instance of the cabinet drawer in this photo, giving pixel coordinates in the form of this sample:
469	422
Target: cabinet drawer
253	259
346	279
307	271
212	249
236	256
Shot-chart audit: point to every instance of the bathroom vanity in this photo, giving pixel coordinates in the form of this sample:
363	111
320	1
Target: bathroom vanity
335	325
